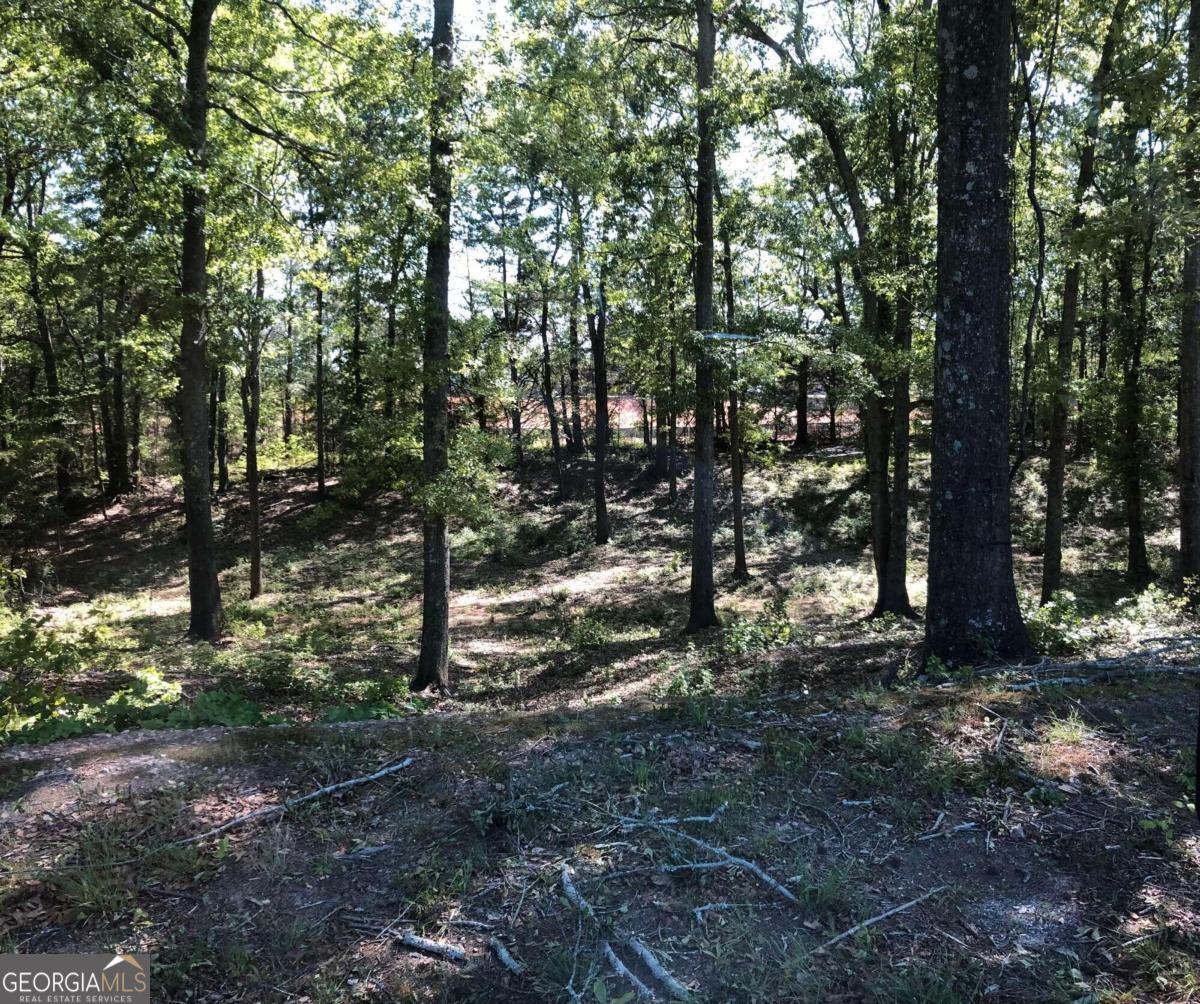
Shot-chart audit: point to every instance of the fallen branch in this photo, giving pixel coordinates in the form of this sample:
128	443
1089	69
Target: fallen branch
699	911
871	921
573	895
505	957
439	948
658	971
270	811
734	861
623	970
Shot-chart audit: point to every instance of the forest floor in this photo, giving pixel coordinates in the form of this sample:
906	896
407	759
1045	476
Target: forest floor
731	803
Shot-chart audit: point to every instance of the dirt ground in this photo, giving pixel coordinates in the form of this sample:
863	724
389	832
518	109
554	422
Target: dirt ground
746	808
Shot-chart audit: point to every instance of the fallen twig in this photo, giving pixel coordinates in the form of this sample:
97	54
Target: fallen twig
505	957
270	811
658	971
438	948
734	860
621	969
699	911
945	833
870	921
573	895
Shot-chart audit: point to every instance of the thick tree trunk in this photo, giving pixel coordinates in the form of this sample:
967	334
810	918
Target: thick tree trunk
1189	351
204	588
972	611
433	666
1057	461
703	612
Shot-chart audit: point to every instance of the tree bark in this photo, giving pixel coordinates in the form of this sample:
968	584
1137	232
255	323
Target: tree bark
433	666
741	571
972	611
251	392
222	429
802	441
548	392
702	598
1057	462
1189	351
597	332
320	376
573	376
1134	321
204	590
673	429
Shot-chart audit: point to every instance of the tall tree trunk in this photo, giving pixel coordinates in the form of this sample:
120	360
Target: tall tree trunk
135	436
120	479
251	390
893	586
514	414
741	571
573	376
222	429
1057	463
565	424
54	404
1134	320
597	331
320	393
1033	117
433	666
288	376
673	428
548	392
702	597
802	441
1189	350
356	352
972	611
204	590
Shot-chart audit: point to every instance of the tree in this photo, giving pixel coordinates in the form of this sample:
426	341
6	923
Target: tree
703	613
204	589
972	611
1060	408
1189	351
433	667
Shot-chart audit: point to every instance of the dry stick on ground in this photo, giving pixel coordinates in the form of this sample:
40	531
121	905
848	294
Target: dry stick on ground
270	811
734	861
621	969
441	949
505	957
870	921
1104	676
678	990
